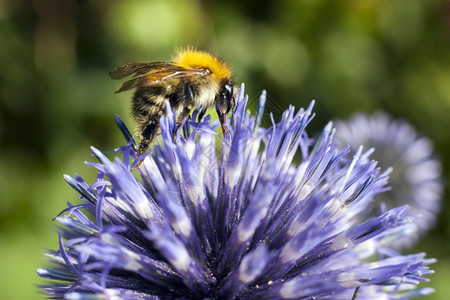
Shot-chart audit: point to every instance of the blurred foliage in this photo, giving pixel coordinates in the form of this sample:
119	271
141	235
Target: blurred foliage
56	98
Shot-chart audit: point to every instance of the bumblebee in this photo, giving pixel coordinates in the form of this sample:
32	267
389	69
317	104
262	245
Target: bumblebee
192	79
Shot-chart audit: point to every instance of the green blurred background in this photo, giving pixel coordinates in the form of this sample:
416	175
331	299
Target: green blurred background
56	98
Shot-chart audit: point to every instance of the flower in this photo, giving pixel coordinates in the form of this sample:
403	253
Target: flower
236	221
416	175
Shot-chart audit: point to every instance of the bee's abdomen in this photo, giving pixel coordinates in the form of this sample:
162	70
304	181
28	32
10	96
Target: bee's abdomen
147	104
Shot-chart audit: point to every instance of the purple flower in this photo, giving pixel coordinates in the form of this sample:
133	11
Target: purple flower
416	176
233	217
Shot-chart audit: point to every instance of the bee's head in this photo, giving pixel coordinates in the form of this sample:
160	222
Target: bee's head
224	99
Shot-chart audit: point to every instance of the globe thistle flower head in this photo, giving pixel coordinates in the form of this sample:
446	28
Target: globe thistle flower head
415	179
209	216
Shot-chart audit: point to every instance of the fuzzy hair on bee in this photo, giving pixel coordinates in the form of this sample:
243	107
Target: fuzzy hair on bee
192	79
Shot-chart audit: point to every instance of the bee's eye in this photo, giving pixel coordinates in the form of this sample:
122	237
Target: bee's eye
224	99
228	91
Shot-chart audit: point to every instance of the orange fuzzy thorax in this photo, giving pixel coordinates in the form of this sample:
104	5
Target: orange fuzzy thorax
194	59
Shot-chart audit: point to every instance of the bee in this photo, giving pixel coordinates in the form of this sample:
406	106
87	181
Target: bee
192	79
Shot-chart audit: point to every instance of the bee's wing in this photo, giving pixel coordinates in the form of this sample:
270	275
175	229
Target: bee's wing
137	69
131	84
177	72
154	76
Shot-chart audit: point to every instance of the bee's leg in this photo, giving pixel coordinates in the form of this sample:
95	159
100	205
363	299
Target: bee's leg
222	118
201	114
187	102
181	116
147	136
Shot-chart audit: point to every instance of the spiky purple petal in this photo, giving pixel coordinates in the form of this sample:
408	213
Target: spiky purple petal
228	217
